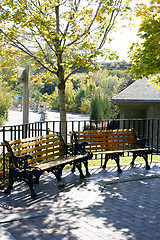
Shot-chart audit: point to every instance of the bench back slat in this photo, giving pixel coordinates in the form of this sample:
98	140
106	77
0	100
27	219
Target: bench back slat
37	148
103	140
41	148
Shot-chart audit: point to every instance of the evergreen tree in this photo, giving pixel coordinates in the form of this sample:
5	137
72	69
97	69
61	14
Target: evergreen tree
100	107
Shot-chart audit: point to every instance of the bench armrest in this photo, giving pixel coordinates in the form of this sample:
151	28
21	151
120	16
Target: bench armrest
143	142
77	148
80	148
23	161
20	162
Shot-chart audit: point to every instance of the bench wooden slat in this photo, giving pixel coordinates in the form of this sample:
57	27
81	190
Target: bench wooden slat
109	142
98	134
46	157
32	143
92	132
105	138
54	136
100	148
122	151
47	165
38	148
105	130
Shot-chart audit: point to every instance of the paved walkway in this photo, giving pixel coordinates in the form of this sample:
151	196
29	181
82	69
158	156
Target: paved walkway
105	206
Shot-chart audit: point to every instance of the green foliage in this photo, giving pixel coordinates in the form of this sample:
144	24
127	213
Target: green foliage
85	91
108	80
52	99
5	102
69	96
113	66
35	93
100	107
83	97
48	87
95	111
145	55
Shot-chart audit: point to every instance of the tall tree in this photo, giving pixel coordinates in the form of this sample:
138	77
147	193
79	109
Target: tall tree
145	55
60	35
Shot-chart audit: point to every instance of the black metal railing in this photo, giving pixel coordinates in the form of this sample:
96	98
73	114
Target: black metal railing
146	128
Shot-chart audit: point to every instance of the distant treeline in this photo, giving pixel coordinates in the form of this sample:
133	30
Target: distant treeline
122	65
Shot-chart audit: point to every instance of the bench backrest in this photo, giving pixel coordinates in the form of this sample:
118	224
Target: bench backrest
41	147
103	140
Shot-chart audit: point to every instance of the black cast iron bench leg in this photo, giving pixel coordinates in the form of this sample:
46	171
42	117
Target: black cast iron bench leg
28	178
112	156
86	167
105	162
79	167
117	161
58	173
11	182
140	154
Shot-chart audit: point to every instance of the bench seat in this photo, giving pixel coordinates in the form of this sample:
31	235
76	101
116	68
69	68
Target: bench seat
58	162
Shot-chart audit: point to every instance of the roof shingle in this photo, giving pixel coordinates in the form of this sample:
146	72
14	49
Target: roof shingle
138	91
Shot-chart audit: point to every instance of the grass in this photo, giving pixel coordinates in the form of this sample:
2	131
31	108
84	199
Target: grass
123	160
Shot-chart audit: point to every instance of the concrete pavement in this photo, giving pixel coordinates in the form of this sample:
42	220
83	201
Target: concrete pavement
106	206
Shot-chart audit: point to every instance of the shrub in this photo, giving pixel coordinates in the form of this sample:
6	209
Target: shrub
5	102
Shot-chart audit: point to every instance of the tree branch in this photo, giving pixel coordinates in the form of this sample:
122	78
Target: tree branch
111	22
74	71
67	26
46	59
89	27
24	49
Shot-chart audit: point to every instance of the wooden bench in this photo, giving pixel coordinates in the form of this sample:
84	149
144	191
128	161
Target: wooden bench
112	143
30	157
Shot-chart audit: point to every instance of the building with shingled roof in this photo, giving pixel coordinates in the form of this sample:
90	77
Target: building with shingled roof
141	100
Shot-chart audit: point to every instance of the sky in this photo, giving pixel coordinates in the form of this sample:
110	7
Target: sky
123	38
122	41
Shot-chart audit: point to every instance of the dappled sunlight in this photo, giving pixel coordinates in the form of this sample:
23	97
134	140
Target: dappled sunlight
106	204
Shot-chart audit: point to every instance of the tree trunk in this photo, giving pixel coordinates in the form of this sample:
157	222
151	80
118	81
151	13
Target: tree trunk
62	109
60	74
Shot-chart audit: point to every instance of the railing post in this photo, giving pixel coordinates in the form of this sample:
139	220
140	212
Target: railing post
47	128
47	131
15	133
41	128
148	132
152	133
53	126
157	134
4	161
79	126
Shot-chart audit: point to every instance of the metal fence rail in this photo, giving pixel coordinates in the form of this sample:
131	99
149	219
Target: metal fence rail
146	128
